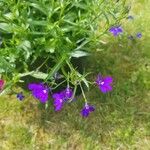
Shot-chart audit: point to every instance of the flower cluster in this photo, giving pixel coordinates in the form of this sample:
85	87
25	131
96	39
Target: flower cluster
138	35
69	40
117	30
41	92
61	97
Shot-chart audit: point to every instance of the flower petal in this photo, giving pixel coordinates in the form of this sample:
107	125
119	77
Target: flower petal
91	108
34	86
105	88
84	113
108	80
43	97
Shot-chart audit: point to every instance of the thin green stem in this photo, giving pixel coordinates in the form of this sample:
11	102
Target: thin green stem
83	93
58	84
70	66
63	71
56	68
42	64
74	92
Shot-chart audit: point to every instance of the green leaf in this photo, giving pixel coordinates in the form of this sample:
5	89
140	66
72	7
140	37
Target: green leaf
9	16
35	74
56	67
78	54
82	44
39	75
4	65
39	6
6	27
37	22
26	46
51	50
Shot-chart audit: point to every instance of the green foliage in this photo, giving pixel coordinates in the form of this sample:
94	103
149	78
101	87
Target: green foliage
53	30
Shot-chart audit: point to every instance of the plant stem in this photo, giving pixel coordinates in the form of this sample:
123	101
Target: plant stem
58	84
42	64
83	93
56	68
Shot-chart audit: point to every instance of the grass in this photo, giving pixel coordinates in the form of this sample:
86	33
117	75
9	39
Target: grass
121	119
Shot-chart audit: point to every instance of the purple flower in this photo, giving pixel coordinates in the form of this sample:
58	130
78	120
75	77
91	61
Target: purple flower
86	110
39	91
58	101
61	97
104	83
116	30
139	35
20	96
67	93
130	17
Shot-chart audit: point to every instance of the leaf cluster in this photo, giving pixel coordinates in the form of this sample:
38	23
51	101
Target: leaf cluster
33	31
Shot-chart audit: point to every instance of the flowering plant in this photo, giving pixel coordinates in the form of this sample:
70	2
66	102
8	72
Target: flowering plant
40	38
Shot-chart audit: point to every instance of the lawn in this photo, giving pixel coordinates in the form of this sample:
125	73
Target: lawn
121	120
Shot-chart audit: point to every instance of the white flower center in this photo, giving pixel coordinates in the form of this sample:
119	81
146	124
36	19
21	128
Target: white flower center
44	91
102	83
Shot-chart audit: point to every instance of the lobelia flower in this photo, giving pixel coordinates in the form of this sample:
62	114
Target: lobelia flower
86	110
67	93
139	35
104	83
20	96
39	91
1	84
61	98
58	101
130	17
116	30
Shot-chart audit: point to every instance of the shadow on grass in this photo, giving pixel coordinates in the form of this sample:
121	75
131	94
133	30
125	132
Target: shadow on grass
116	118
